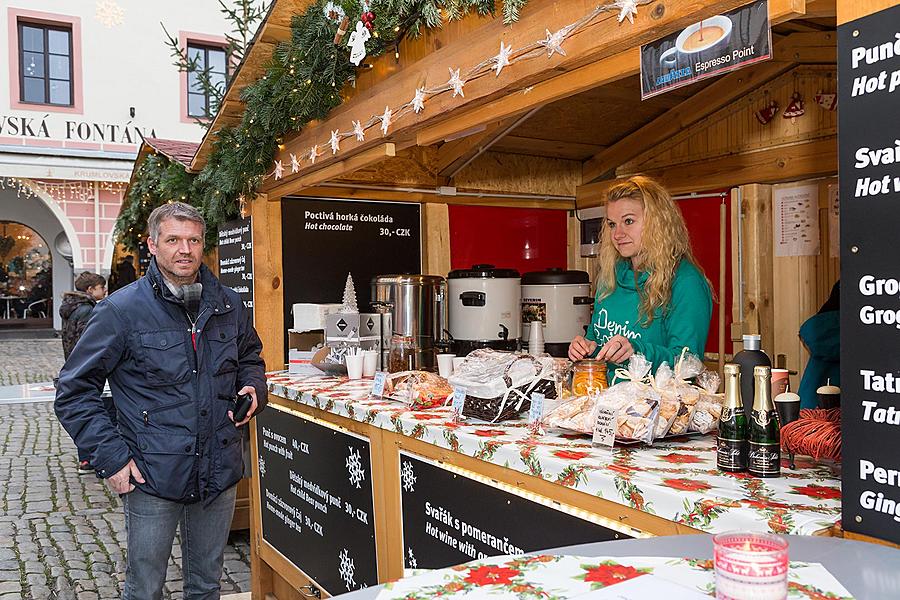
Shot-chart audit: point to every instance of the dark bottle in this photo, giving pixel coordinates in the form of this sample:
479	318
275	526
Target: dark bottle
732	447
765	440
748	358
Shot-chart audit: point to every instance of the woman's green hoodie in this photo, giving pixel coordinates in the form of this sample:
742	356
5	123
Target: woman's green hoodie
684	322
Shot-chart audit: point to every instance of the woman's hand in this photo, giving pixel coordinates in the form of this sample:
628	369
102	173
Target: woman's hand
581	347
617	350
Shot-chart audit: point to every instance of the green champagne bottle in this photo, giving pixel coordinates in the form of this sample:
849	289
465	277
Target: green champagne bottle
765	441
731	445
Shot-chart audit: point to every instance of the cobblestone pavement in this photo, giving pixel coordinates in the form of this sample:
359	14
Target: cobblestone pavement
29	361
62	535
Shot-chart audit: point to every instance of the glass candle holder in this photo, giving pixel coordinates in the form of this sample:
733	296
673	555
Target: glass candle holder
750	566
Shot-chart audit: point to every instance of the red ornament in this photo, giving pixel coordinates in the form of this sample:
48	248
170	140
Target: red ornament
767	113
794	107
826	101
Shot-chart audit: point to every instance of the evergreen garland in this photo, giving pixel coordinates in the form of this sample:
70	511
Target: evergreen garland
302	82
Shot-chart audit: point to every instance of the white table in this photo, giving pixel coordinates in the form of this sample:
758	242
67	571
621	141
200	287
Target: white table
8	300
865	570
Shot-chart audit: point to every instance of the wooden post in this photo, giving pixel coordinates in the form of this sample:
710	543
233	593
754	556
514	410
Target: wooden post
435	239
757	253
723	231
267	274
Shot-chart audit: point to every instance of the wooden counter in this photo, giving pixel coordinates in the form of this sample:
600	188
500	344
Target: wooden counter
415	501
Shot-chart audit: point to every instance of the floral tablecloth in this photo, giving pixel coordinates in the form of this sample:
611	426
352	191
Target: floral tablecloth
548	577
676	480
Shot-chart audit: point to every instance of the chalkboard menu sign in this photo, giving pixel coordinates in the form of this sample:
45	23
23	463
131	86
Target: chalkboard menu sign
144	258
315	488
869	128
236	258
323	240
449	518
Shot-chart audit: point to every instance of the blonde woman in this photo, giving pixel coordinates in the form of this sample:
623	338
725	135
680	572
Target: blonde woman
652	296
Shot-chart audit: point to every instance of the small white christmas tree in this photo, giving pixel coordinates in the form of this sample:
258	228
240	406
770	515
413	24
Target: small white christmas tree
349	305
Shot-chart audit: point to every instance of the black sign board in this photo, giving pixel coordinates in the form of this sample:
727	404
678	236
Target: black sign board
707	48
323	240
315	488
236	258
868	130
449	518
144	258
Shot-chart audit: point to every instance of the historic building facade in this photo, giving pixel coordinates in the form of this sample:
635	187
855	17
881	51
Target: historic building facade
86	82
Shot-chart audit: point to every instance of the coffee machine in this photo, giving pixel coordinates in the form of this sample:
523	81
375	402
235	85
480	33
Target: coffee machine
413	314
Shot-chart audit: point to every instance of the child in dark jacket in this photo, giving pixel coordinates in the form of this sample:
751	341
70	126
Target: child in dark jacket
75	310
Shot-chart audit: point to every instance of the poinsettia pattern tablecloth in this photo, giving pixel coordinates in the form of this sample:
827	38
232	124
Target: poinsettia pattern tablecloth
676	480
549	577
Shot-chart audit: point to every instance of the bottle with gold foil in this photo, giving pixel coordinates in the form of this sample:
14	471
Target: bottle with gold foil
765	439
731	445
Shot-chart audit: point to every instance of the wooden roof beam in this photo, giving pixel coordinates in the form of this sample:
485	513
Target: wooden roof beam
816	158
293	183
602	38
789	51
454	156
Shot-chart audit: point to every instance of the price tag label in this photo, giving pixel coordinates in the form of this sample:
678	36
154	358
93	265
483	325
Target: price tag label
378	384
605	427
536	412
459	399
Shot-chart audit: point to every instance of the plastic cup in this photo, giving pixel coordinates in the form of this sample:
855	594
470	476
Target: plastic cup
788	407
780	381
536	338
457	361
354	365
445	365
370	363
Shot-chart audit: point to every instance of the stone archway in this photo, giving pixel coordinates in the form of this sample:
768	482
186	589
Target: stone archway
68	228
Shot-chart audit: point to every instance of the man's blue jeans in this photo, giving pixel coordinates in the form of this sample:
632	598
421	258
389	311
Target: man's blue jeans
150	524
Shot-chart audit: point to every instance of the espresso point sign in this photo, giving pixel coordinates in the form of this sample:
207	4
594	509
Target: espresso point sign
707	48
869	94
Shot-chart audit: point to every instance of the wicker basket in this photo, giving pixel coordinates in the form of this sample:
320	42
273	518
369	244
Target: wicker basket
517	402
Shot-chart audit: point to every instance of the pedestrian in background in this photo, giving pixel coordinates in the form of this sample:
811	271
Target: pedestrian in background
176	347
76	307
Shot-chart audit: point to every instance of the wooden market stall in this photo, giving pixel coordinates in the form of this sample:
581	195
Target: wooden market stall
550	133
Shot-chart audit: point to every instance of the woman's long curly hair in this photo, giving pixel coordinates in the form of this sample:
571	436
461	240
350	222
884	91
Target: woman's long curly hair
664	243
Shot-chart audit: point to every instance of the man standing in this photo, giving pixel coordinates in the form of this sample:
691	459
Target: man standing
176	347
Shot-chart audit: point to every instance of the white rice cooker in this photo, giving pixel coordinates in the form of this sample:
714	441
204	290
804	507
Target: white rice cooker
562	301
485	308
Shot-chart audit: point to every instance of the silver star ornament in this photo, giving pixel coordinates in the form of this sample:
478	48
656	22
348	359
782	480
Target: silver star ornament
335	141
502	59
418	101
386	120
553	43
627	10
456	83
359	131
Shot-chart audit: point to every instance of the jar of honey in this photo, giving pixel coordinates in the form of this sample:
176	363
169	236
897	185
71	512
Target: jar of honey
589	376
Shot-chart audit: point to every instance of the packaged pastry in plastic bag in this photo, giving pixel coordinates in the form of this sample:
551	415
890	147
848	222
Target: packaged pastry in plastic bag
575	413
635	399
687	367
419	389
669	402
709	405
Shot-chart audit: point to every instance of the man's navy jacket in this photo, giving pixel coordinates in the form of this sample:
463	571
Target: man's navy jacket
172	390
